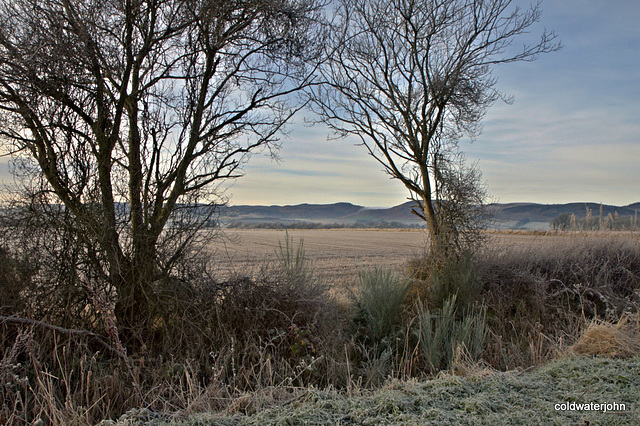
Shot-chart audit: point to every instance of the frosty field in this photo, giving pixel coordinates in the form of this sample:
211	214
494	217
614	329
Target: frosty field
338	254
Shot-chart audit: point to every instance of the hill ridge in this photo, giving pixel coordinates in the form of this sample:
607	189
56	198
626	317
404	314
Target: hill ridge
526	215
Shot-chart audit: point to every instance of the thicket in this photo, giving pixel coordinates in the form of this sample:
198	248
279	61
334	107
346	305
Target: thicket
277	329
63	361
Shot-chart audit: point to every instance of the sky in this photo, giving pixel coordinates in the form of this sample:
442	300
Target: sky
571	135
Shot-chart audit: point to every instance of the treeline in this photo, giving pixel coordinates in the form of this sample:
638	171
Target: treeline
379	224
601	222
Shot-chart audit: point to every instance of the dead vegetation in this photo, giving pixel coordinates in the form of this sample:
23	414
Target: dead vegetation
243	344
617	340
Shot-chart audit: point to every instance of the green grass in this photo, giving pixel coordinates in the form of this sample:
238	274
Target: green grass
497	398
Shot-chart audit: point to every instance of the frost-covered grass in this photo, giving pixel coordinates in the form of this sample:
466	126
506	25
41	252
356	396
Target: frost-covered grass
495	398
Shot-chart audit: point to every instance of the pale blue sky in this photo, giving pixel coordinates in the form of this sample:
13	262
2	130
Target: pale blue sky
573	133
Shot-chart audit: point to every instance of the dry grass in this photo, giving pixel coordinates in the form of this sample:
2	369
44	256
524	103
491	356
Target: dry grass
619	340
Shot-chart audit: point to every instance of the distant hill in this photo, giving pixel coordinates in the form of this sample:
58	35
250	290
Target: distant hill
304	212
538	216
508	215
634	206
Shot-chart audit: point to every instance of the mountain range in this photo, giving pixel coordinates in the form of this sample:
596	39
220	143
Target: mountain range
509	215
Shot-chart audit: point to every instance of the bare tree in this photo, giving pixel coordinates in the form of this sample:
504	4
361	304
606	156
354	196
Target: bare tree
129	113
410	78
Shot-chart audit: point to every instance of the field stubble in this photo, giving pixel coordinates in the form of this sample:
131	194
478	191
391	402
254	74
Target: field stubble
338	255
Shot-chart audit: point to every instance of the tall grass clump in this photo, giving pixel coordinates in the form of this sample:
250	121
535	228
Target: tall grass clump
292	261
379	301
378	343
445	332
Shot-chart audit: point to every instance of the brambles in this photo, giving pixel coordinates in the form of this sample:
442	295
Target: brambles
537	298
221	339
15	278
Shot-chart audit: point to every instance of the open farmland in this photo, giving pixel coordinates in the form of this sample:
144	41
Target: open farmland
338	254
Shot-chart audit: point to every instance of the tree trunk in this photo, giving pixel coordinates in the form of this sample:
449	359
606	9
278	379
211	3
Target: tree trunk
438	246
430	214
134	307
133	317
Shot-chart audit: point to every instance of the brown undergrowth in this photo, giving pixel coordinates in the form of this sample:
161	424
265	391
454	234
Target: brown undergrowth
539	299
276	331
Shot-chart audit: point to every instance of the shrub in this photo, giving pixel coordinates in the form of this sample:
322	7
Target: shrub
438	279
538	298
15	278
379	301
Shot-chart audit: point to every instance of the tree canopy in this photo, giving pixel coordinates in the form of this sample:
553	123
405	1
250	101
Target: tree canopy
130	111
410	78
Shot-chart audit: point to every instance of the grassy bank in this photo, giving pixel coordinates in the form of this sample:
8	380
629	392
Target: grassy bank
480	398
